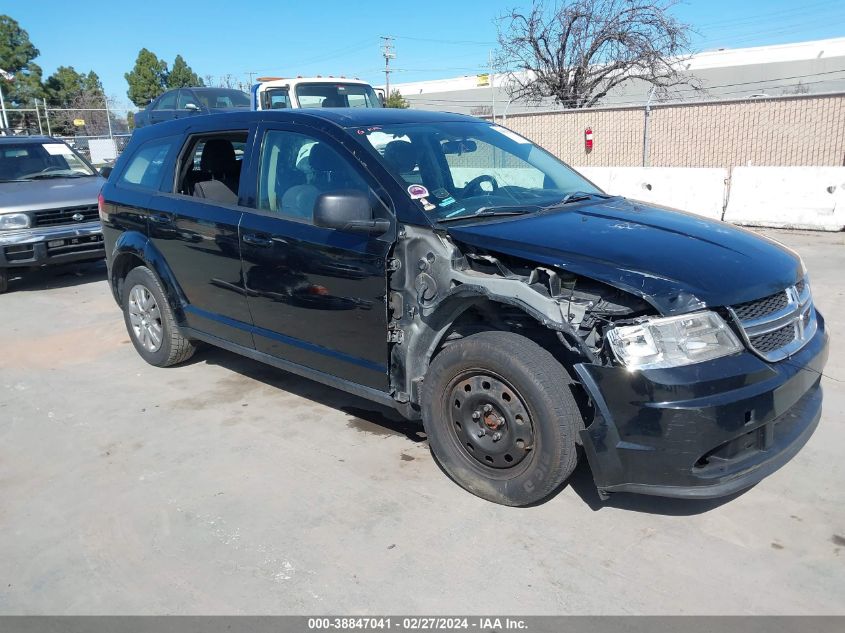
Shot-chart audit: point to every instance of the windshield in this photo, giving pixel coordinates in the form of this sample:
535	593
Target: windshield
457	169
338	95
34	161
222	98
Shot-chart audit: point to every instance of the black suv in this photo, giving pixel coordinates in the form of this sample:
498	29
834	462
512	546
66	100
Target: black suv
452	269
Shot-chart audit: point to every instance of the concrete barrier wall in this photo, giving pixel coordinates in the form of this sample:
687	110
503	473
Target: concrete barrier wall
697	190
788	197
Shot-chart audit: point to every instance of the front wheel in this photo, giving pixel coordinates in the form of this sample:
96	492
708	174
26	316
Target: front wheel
501	418
150	321
4	280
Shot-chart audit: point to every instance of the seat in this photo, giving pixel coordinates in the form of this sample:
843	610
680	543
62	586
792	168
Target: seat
219	164
216	191
333	101
404	158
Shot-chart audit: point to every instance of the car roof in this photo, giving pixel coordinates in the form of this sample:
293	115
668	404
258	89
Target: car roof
29	139
342	117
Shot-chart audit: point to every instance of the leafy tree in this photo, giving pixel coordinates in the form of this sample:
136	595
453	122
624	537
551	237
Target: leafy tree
16	51
182	76
579	50
396	100
147	79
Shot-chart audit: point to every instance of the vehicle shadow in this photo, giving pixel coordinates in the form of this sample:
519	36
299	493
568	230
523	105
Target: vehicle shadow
365	416
370	417
52	277
581	482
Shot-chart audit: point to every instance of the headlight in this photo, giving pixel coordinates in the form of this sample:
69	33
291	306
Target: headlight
673	341
10	221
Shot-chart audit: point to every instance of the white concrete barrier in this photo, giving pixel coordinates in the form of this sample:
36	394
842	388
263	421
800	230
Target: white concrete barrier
788	197
697	190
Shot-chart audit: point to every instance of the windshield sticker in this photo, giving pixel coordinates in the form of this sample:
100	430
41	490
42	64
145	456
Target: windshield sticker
417	191
427	205
511	135
447	202
456	212
57	149
440	193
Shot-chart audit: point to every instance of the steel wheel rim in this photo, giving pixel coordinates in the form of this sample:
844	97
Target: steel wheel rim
145	318
489	420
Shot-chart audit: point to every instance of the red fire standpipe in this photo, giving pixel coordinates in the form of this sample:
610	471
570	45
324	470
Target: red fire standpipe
588	139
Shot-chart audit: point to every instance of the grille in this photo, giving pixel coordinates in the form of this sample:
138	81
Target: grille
761	307
56	217
778	325
771	341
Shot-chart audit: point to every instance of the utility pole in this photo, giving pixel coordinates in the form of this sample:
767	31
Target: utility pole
492	88
387	51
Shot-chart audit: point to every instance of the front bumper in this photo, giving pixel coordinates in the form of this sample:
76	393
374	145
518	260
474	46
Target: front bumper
704	430
51	245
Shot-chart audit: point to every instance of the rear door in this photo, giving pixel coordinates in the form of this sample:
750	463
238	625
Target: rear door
198	238
317	296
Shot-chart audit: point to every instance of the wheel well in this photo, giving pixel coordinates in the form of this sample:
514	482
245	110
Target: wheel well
121	267
488	315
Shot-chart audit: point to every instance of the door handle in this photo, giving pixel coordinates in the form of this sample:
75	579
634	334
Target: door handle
258	240
161	218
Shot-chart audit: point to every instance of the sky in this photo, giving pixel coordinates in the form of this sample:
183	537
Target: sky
433	38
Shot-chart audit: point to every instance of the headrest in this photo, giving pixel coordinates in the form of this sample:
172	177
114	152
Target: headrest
401	155
218	157
324	158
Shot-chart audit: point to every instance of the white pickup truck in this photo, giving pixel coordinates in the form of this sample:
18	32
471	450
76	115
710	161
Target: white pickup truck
272	93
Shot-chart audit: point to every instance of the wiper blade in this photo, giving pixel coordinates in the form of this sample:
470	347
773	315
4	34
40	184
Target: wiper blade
576	196
489	212
55	175
15	179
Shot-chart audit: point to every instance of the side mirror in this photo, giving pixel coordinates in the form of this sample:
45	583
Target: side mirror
192	107
106	171
348	210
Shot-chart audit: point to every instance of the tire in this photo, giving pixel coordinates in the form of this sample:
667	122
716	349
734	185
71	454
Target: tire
146	312
4	280
531	406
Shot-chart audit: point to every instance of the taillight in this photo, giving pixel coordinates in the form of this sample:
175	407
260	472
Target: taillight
101	205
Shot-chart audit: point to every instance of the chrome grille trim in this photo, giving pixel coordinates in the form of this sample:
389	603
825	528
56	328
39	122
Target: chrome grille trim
765	334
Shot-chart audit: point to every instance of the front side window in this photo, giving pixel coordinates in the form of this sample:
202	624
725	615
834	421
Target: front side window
38	161
296	168
340	95
167	101
276	99
186	97
146	166
466	166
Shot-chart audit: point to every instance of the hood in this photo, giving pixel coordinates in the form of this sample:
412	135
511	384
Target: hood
50	193
677	261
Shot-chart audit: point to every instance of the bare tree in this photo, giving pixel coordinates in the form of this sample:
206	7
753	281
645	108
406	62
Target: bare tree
576	51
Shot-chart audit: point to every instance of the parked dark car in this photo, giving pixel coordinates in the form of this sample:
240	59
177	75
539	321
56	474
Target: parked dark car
452	269
187	102
48	205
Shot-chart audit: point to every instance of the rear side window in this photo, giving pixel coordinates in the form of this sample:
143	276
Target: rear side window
167	101
146	166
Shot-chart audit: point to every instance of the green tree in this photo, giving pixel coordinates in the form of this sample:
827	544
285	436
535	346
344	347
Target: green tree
16	51
396	100
63	86
147	79
182	76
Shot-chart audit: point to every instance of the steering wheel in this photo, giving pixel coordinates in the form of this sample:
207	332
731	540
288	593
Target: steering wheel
475	183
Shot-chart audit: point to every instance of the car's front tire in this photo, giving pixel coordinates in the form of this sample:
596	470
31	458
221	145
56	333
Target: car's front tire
4	280
501	418
150	322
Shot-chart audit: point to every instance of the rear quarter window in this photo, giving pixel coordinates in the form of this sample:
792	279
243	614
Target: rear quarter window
148	163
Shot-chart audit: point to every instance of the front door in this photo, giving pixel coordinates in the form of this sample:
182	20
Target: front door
317	295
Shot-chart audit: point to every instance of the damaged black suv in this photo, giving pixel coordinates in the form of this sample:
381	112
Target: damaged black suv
452	269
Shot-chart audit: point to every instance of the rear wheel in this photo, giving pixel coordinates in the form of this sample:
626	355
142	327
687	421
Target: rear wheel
4	279
501	418
150	321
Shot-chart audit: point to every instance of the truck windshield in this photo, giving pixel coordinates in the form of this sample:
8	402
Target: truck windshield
337	95
458	169
37	161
